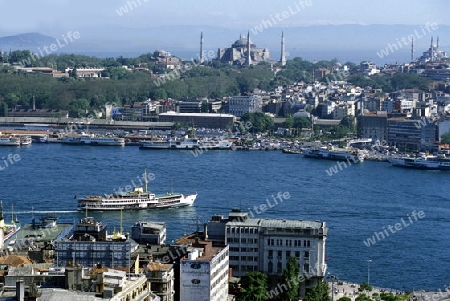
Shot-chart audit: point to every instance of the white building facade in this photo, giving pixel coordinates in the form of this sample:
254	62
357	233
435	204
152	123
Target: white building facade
204	276
240	105
265	245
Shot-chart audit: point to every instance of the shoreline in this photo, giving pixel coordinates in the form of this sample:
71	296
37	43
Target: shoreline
351	290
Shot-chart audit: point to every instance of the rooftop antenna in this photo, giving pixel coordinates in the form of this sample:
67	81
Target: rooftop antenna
197	223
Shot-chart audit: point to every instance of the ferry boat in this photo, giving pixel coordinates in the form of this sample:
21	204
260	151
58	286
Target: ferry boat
138	199
333	154
88	140
215	144
154	144
423	161
10	141
185	143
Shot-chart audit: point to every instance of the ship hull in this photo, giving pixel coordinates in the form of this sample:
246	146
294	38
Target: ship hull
159	201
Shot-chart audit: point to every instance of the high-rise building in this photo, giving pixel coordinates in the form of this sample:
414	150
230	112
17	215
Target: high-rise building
265	245
204	273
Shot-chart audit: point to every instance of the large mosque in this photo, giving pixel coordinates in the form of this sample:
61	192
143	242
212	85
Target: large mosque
434	53
244	52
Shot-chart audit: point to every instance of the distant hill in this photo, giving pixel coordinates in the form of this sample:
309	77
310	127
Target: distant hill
26	41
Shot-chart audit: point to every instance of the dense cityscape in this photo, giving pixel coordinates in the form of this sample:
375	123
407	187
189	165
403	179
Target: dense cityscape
235	98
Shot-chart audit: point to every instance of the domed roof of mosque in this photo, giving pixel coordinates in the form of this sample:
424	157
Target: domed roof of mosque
242	42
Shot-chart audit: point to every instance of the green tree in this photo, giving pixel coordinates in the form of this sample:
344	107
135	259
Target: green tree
446	138
344	299
289	122
365	286
3	109
254	287
319	293
349	122
302	123
260	121
363	297
290	278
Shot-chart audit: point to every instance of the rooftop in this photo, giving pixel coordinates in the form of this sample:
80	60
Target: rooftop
196	114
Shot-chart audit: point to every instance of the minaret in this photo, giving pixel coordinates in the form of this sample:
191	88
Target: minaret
201	48
412	49
249	58
431	49
283	57
437	42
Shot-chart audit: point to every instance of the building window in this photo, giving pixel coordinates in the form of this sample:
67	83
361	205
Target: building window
288	254
270	254
306	268
306	254
279	254
279	267
297	254
270	267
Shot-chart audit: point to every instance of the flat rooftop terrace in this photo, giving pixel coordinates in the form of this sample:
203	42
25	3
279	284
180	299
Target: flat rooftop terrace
29	235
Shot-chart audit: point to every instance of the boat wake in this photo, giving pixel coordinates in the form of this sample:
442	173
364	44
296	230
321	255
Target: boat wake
45	212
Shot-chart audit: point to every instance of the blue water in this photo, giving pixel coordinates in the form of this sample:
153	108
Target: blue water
355	202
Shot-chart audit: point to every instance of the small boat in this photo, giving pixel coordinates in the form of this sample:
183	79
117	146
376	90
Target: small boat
9	141
25	140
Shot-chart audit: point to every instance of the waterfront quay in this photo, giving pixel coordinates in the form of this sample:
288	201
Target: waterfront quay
339	289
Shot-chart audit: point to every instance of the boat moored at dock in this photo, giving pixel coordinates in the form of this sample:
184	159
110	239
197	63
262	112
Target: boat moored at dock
9	141
423	161
92	140
327	153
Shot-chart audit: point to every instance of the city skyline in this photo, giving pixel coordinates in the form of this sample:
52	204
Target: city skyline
313	29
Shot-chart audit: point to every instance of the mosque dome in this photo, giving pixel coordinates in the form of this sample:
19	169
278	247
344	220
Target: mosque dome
242	42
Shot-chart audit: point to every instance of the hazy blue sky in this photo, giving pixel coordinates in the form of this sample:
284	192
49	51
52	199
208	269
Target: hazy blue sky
49	16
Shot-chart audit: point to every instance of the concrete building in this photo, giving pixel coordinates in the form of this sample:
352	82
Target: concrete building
410	134
240	105
343	109
205	120
265	245
153	233
90	246
373	125
162	279
204	272
388	105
